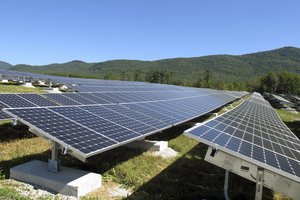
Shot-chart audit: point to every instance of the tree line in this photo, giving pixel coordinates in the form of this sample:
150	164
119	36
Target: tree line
279	82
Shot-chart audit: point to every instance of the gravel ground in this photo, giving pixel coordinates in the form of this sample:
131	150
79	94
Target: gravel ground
31	192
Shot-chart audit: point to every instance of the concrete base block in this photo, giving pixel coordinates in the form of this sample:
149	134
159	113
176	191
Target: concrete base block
67	181
215	114
29	85
149	145
167	153
53	90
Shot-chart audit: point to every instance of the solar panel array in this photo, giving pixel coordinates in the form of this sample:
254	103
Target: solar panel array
91	129
253	131
90	85
60	99
22	101
104	114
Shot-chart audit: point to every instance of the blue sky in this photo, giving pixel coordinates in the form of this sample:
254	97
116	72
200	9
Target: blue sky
57	31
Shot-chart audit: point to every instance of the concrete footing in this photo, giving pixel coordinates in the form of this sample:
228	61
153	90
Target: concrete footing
29	85
53	90
67	181
149	145
155	148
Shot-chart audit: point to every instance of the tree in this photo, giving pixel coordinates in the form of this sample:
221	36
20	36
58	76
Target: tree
109	76
207	77
281	82
269	83
159	76
137	75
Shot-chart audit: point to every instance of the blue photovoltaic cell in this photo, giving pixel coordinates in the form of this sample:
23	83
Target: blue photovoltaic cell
253	129
61	99
120	119
63	129
37	100
3	115
93	98
15	101
137	116
152	113
78	98
106	97
96	123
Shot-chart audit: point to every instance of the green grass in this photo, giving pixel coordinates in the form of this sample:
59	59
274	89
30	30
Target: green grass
287	116
292	120
8	193
9	88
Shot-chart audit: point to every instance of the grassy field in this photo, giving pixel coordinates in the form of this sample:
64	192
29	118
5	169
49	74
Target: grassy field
10	88
186	176
292	120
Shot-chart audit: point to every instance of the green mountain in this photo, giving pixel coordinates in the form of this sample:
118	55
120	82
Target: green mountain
223	67
4	65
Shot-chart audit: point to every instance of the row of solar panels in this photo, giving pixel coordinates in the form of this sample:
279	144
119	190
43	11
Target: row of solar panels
72	81
88	130
42	100
86	85
90	85
120	88
254	132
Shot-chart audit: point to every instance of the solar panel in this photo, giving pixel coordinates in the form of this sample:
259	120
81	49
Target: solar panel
141	108
254	132
63	130
95	128
15	101
117	118
107	97
37	99
3	116
63	100
137	116
80	99
97	123
93	98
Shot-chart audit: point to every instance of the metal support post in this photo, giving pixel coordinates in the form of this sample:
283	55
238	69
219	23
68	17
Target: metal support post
54	162
259	183
226	185
14	122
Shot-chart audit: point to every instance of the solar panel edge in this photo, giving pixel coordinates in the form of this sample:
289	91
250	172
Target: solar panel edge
246	158
27	100
237	128
208	111
123	143
77	152
117	143
236	154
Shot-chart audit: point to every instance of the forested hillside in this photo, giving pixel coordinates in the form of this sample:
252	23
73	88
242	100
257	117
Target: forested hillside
223	67
4	65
